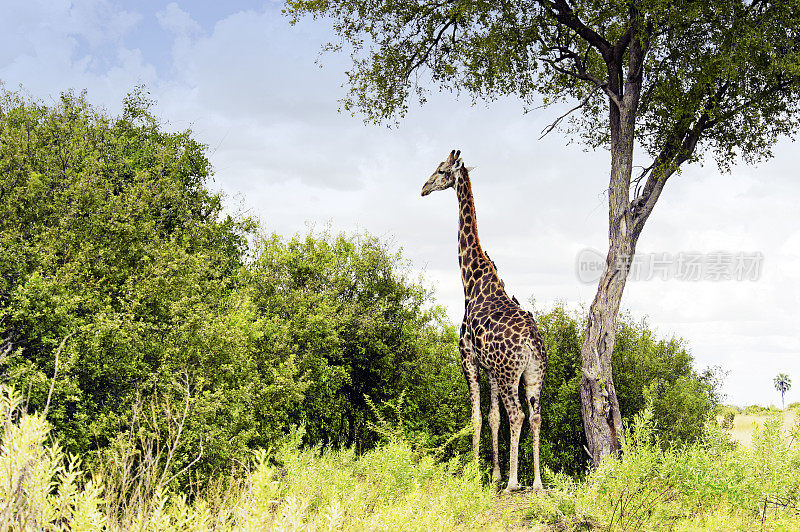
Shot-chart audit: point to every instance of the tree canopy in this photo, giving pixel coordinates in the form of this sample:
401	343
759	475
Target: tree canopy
724	72
108	234
782	383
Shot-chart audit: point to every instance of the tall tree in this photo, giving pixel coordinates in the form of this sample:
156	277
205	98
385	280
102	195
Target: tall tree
675	79
782	383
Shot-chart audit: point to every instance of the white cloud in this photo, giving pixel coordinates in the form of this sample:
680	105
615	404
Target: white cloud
54	46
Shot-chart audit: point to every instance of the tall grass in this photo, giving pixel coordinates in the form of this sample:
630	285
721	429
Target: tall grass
712	485
39	488
390	488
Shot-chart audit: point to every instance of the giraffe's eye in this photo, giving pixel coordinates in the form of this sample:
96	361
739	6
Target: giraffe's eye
441	171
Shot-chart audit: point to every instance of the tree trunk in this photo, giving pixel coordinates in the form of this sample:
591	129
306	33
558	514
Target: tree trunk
602	421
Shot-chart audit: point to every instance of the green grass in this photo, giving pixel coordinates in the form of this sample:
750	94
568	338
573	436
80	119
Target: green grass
713	485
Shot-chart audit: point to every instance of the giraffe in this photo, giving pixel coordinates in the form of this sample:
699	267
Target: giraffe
496	334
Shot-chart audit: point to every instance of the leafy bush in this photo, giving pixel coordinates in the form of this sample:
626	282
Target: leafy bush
650	487
708	485
108	236
343	308
39	488
725	414
110	239
758	410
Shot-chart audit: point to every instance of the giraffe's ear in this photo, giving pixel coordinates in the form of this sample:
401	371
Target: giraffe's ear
470	168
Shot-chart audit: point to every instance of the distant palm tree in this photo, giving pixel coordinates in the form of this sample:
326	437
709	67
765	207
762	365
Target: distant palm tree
782	384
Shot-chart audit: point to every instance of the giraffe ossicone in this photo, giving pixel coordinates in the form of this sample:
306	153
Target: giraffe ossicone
496	334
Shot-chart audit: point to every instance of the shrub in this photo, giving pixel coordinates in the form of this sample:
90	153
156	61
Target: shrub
650	487
110	238
345	309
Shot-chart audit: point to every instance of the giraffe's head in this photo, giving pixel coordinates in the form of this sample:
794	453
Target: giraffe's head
445	174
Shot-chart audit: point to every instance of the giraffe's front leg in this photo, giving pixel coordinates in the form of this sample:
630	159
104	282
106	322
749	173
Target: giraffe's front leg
494	424
470	367
471	374
516	417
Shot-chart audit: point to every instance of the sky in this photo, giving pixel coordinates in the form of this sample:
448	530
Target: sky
264	99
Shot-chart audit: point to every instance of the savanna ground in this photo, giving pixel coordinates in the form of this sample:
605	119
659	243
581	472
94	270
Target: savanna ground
744	423
714	484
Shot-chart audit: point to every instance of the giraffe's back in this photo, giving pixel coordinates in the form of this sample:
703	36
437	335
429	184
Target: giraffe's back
503	338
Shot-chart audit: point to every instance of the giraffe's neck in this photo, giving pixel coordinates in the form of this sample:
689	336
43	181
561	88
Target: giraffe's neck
476	269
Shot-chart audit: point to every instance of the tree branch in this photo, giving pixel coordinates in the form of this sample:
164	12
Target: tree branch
666	164
555	123
678	148
565	15
55	373
580	71
423	58
756	97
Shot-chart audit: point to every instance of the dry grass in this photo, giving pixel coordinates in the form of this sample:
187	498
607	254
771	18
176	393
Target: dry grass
745	424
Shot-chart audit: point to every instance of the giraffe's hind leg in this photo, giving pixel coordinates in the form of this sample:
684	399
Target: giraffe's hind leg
494	424
509	392
534	380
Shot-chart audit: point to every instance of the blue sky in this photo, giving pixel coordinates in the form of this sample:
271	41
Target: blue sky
248	85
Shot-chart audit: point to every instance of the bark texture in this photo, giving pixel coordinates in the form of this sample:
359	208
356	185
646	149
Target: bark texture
602	420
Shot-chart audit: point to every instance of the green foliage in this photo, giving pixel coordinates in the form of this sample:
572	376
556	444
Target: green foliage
649	486
344	309
708	485
726	410
758	410
726	70
39	485
659	372
111	243
725	414
108	234
562	425
389	488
